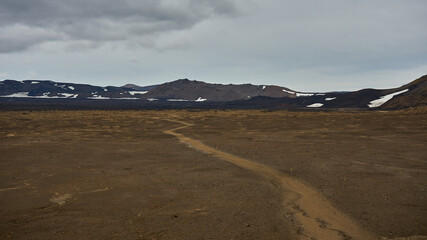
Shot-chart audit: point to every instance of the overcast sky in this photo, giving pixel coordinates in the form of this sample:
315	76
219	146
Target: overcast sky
306	45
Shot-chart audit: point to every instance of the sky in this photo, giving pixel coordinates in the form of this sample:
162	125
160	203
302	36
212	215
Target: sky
305	45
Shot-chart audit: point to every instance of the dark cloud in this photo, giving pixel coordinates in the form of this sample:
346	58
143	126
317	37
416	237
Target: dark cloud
18	37
99	21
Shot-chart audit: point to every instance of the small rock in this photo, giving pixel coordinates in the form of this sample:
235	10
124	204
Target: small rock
10	135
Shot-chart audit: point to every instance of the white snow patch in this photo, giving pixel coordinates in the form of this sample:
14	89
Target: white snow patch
177	100
315	105
200	99
25	95
384	99
330	98
45	95
288	91
67	95
264	87
108	98
18	94
98	97
105	90
129	98
137	92
152	99
34	82
304	94
71	87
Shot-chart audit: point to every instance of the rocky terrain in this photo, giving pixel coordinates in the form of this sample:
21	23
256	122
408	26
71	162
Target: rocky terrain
197	174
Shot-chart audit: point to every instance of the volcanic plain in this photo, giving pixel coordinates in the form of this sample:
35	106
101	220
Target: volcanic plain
213	174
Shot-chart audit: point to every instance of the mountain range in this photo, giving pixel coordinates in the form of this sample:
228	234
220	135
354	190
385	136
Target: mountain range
191	93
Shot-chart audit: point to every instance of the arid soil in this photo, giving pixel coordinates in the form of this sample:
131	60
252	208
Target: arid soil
213	175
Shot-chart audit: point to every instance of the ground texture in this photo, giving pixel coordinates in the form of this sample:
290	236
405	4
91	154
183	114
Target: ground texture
165	174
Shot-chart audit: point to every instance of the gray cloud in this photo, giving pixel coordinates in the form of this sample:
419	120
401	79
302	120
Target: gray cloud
18	37
26	23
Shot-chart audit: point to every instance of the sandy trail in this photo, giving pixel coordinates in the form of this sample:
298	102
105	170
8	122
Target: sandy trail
14	188
314	216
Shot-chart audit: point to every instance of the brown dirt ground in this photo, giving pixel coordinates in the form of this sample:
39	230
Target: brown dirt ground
116	175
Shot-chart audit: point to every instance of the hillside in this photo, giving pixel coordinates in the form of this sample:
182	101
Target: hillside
185	89
184	93
416	95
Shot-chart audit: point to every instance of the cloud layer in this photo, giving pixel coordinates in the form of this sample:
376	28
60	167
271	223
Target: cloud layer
26	23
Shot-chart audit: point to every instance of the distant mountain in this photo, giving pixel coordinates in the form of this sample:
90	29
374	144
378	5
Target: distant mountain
410	95
416	95
185	89
190	93
51	89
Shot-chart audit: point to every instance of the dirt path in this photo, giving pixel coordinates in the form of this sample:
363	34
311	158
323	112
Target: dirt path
314	216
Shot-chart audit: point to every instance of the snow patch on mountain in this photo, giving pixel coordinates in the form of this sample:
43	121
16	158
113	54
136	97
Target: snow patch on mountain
137	92
45	95
98	97
290	92
315	105
177	100
68	95
18	95
384	99
129	98
304	94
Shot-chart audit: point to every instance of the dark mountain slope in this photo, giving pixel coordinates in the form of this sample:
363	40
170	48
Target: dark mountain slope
193	90
410	95
416	96
200	94
51	89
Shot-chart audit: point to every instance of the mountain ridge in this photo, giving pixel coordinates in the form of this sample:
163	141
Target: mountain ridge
184	90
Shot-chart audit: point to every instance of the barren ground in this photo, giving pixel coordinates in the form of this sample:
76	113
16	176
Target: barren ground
120	175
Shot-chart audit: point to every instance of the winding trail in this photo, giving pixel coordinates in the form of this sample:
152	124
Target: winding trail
314	216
